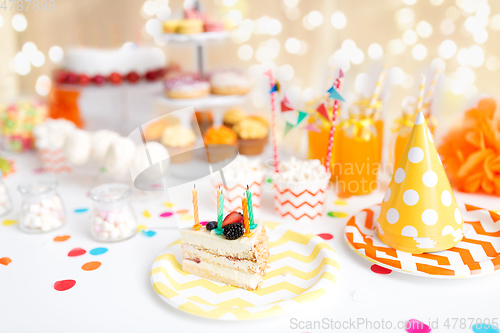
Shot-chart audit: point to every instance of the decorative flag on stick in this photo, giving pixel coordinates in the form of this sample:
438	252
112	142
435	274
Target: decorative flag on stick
323	111
274	88
301	117
285	105
288	128
312	128
336	96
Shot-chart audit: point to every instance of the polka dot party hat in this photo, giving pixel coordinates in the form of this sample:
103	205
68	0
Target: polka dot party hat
419	212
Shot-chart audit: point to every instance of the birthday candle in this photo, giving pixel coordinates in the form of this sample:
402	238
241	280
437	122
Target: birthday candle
250	208
220	212
197	224
246	223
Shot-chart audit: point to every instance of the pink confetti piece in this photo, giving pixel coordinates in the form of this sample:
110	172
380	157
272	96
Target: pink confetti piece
204	223
416	326
64	285
166	214
326	236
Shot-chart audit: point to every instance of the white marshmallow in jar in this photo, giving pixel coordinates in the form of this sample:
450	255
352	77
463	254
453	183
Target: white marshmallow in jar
42	209
112	217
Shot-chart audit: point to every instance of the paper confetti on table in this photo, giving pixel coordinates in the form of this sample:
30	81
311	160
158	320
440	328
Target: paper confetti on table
187	217
416	326
380	270
148	233
81	210
166	214
141	227
340	202
182	211
9	222
204	223
146	213
64	285
91	266
61	238
169	204
5	261
485	328
337	214
98	250
77	251
326	236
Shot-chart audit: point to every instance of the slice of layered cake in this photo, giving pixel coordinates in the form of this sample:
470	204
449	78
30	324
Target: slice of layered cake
233	257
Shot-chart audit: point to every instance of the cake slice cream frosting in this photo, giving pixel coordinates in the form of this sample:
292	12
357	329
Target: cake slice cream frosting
241	262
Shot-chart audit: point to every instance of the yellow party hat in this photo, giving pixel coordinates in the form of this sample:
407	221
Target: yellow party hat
419	212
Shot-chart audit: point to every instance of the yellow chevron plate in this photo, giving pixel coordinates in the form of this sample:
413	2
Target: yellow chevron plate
303	268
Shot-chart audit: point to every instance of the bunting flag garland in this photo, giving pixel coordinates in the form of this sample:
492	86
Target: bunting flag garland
302	116
274	88
323	111
341	74
312	128
285	105
335	95
288	128
268	73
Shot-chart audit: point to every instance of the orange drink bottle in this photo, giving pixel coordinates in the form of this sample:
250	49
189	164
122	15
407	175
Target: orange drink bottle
358	155
378	121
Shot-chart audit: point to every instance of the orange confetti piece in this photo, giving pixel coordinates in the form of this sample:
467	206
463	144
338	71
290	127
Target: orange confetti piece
182	211
146	213
91	266
9	222
5	261
61	238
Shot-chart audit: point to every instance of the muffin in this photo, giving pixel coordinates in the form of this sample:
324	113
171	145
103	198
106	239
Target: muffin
217	139
190	26
229	82
232	116
253	134
186	87
179	141
154	131
202	120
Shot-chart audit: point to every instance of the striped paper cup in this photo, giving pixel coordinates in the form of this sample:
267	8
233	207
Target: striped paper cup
53	160
233	192
300	201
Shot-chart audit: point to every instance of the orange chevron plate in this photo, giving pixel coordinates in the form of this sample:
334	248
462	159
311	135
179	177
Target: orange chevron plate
476	255
303	269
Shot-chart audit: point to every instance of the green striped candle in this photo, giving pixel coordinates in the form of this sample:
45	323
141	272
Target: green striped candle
250	209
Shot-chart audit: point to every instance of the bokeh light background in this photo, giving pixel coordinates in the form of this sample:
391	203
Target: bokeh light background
303	40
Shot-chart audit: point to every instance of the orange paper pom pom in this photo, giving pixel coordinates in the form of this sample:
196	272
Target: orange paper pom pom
471	150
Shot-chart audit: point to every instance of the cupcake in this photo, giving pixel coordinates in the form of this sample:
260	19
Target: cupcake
202	120
190	26
229	82
300	189
217	139
179	141
232	116
186	87
154	130
253	134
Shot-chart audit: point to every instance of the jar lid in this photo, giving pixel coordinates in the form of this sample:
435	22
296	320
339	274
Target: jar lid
113	192
38	187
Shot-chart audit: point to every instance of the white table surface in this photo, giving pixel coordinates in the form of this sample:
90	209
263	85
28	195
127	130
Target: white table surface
118	296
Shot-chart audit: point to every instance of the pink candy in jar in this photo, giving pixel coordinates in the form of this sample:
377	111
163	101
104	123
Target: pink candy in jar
112	216
42	209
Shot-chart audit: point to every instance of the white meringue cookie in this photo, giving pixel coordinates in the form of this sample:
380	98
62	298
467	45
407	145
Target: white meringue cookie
77	148
101	140
119	155
157	153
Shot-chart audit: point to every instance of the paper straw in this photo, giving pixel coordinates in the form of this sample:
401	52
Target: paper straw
420	101
378	89
272	82
432	87
332	128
